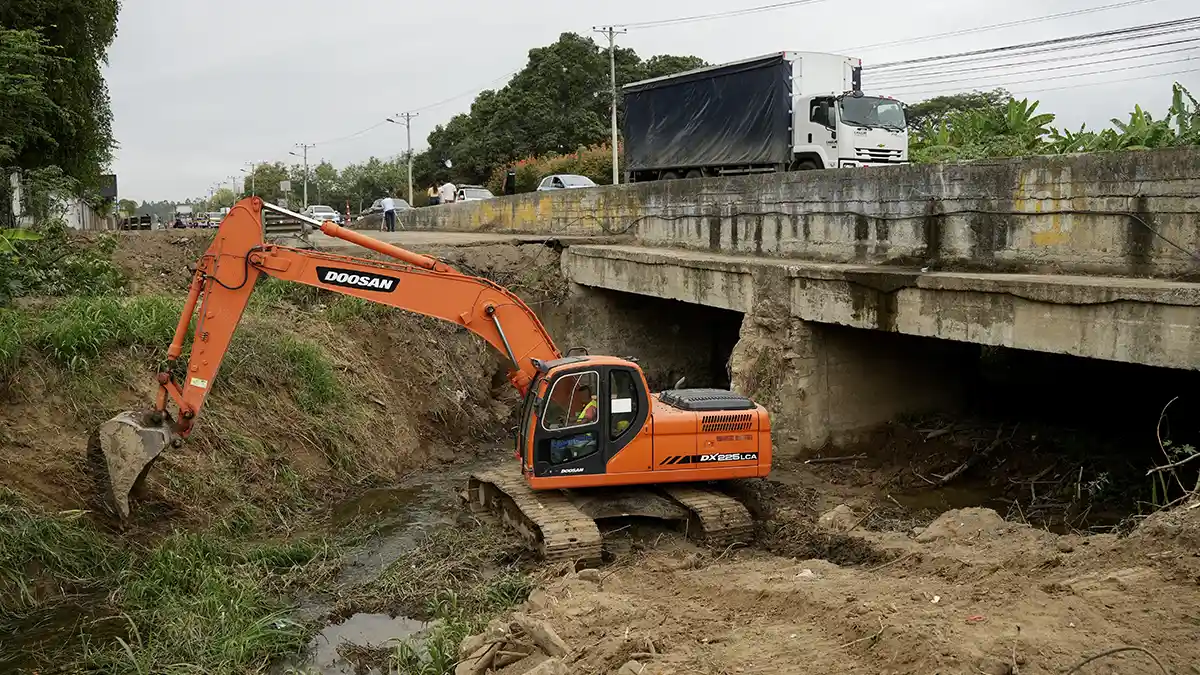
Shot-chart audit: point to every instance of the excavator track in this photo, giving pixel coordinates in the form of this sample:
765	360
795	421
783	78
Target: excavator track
546	519
721	519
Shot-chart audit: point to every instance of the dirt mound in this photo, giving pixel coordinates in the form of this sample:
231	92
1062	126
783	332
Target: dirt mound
975	595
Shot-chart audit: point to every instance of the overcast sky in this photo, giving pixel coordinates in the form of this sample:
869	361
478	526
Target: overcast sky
200	89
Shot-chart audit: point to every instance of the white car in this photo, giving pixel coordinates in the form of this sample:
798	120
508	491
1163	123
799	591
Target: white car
323	213
565	181
472	193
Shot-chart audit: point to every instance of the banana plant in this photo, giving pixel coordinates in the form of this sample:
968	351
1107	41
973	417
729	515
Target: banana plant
8	236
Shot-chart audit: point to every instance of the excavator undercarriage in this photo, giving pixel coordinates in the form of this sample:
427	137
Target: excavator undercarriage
561	525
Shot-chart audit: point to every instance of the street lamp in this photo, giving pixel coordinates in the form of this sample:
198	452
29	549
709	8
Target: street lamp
304	147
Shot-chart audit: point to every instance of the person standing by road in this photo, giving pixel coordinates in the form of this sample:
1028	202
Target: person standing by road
433	196
446	193
389	213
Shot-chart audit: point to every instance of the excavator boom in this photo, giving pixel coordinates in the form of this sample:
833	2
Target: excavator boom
127	446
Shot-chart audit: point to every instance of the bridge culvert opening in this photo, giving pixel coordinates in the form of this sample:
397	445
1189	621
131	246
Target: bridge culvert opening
1059	442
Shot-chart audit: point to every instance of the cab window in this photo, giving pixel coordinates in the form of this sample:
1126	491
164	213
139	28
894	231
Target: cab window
623	402
573	402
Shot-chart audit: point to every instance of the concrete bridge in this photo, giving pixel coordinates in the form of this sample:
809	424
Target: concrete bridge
1090	255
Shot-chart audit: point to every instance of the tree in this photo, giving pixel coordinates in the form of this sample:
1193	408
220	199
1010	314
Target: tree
939	108
27	112
127	207
71	37
557	103
222	199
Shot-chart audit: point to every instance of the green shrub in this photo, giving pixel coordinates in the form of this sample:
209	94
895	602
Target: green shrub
595	162
57	264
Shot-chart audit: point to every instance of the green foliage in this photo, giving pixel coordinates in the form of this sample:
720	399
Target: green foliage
189	603
594	162
48	261
989	124
557	103
50	57
8	236
76	332
27	112
63	546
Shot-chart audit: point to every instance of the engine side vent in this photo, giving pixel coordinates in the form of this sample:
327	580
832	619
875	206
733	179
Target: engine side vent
735	422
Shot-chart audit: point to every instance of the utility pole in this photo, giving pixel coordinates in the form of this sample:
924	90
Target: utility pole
253	178
612	32
304	147
408	131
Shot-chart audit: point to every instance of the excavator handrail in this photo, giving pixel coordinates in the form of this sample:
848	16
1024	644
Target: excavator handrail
228	271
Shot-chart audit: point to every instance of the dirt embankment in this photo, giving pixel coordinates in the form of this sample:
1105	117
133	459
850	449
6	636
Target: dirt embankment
969	593
319	395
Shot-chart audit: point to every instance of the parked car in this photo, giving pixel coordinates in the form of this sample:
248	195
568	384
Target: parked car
323	213
377	206
472	193
565	181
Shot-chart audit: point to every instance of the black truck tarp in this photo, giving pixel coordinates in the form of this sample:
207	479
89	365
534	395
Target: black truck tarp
732	115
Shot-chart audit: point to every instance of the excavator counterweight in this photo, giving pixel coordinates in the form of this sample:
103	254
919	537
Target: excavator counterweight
593	442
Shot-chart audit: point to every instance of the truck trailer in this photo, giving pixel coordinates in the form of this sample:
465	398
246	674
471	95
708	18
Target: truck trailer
786	111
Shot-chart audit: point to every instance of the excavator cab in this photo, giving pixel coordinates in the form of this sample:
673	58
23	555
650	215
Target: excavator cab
579	414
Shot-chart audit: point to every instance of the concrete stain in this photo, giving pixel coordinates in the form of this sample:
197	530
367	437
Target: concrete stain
862	236
873	296
1139	239
931	230
758	235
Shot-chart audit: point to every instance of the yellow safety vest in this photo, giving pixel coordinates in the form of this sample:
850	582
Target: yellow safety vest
583	413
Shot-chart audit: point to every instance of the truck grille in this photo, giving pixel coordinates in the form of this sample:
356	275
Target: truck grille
878	154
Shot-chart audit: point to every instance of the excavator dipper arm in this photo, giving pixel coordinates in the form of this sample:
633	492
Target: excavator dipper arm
220	290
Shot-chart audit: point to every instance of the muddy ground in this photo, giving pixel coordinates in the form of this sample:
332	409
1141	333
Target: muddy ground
345	473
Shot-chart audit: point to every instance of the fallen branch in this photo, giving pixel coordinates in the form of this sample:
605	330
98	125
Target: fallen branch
972	460
1118	650
831	460
869	637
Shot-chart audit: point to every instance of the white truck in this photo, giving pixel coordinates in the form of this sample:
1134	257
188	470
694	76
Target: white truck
786	111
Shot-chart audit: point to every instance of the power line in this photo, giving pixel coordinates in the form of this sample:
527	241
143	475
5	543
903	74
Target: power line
937	72
1189	21
720	15
917	85
1061	77
998	26
934	63
468	92
1126	79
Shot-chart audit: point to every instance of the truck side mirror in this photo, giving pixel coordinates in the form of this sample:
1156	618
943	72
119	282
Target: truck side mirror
823	112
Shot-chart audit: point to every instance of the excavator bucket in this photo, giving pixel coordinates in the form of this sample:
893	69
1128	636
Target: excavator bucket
122	451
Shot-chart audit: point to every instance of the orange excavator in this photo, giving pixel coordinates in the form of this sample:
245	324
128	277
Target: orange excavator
593	442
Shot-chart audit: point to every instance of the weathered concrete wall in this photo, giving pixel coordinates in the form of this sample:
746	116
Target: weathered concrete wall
668	339
1098	214
830	384
1145	321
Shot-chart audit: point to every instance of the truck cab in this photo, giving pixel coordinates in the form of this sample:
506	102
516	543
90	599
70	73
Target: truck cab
849	129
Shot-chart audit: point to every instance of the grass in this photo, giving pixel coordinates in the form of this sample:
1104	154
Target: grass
192	602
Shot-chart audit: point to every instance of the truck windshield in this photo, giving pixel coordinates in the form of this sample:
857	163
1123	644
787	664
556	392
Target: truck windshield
870	111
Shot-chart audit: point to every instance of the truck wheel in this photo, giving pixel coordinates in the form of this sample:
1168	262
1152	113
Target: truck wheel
806	165
695	173
670	175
